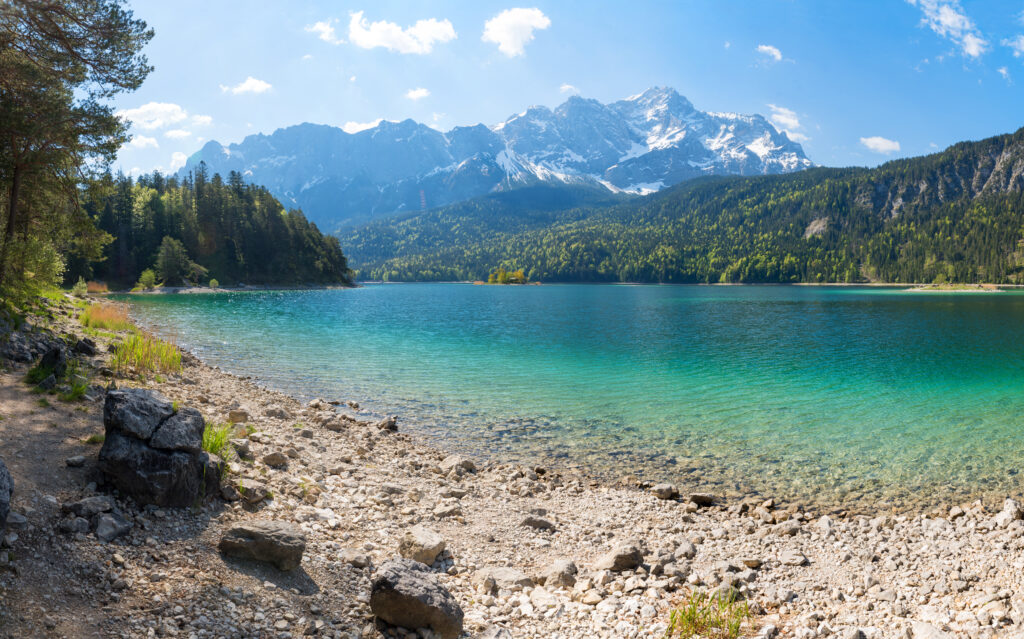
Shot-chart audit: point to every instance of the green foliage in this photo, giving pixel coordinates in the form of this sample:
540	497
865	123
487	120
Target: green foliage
78	389
214	283
501	276
96	438
43	402
147	279
80	289
146	354
216	439
703	615
60	64
37	374
949	217
173	264
186	228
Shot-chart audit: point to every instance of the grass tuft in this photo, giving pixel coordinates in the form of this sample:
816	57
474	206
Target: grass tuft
215	439
146	354
106	316
97	287
703	615
96	438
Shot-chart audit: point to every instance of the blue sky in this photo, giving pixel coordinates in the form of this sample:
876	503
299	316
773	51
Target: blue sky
857	82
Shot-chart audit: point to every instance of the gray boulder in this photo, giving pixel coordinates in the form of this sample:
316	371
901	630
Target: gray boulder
90	506
421	544
55	359
277	542
622	557
153	453
181	431
110	526
406	593
6	493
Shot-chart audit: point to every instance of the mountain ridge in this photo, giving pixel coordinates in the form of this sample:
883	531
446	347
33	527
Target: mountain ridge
637	145
956	215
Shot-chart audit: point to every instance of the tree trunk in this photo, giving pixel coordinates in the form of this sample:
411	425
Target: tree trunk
12	214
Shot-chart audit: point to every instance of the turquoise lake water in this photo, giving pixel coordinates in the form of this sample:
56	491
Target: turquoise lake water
842	396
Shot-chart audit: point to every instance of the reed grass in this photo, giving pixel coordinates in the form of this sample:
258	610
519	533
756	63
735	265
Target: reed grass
215	439
703	615
146	354
108	316
97	287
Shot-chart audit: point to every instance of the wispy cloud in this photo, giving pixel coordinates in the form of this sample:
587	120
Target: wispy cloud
788	122
878	144
325	31
948	20
1016	44
249	85
513	28
419	38
568	88
177	134
142	142
202	120
154	115
769	51
356	127
1004	72
417	94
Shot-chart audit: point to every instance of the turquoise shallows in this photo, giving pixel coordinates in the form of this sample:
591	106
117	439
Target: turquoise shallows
844	396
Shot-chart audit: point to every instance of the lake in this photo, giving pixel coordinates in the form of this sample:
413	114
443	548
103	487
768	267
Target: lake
847	397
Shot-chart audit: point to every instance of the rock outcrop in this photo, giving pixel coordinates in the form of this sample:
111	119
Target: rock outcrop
6	493
153	453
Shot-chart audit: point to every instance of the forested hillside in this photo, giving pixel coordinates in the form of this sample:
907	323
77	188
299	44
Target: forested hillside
955	216
230	231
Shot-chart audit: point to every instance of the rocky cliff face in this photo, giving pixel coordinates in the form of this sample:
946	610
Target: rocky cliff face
638	145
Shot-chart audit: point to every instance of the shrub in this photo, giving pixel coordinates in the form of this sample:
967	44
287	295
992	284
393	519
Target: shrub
108	316
147	280
707	616
97	287
146	354
215	439
80	289
214	283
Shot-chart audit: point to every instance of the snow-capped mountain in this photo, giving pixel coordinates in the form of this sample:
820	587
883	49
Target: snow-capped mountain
637	145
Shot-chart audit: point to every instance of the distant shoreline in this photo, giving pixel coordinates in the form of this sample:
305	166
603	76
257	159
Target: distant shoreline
205	290
910	286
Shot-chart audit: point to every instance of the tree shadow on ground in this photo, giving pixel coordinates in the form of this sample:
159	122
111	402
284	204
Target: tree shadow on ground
297	580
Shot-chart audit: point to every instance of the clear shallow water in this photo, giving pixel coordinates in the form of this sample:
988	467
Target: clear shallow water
841	396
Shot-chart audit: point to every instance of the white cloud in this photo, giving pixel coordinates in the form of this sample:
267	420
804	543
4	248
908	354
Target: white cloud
308	56
879	144
1017	44
568	88
948	20
438	116
419	38
178	160
788	122
356	127
417	94
1004	72
177	134
202	120
513	28
250	85
728	44
770	51
141	142
154	115
325	31
352	79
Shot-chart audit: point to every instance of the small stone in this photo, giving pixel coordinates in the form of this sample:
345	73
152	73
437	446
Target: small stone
110	526
75	462
277	542
539	523
702	499
792	558
561	574
665	491
275	459
421	544
622	557
238	416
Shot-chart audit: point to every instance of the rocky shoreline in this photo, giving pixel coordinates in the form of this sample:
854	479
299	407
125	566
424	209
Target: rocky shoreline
520	551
